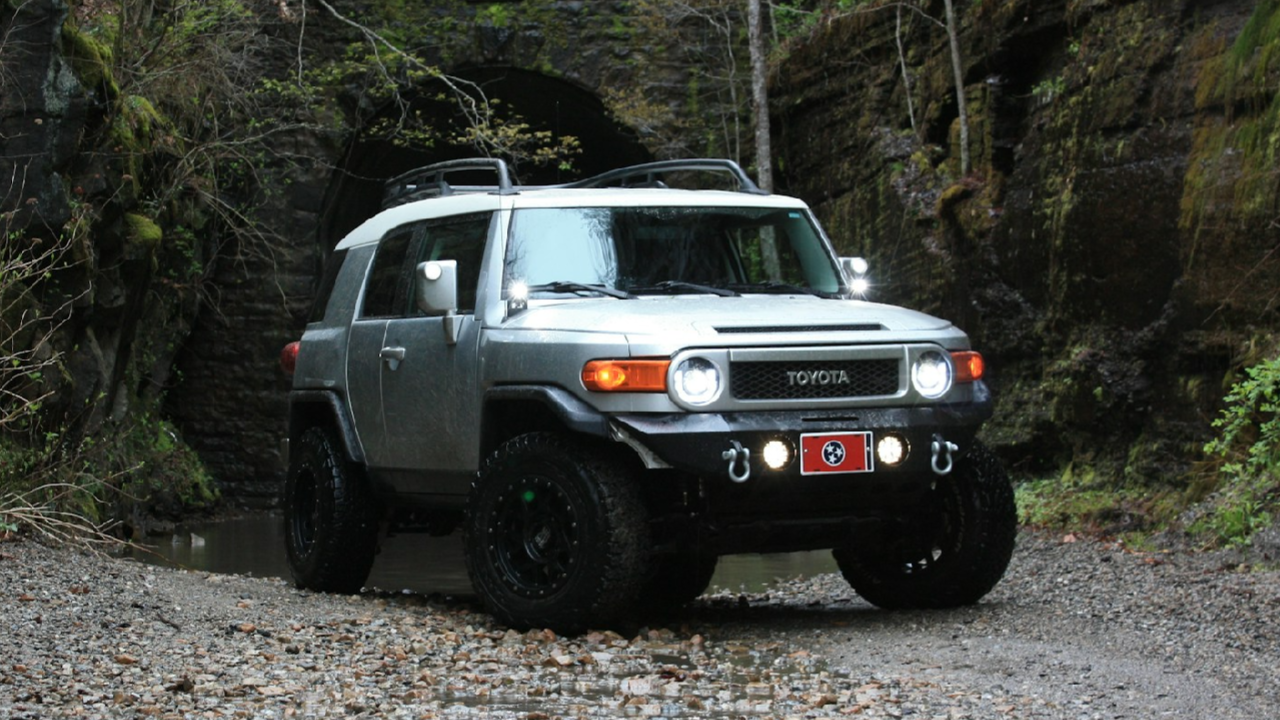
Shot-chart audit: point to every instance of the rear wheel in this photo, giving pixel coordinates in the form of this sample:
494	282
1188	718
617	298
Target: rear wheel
951	552
556	535
330	517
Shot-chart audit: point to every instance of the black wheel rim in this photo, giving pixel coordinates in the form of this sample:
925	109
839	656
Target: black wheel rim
534	536
302	516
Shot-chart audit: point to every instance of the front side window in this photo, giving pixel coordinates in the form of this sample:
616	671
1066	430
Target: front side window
656	249
390	293
461	238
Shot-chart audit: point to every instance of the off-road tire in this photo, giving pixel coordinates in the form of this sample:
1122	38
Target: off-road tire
330	517
950	553
556	535
675	580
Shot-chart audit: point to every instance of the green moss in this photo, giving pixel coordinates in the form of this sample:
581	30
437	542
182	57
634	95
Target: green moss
142	230
90	60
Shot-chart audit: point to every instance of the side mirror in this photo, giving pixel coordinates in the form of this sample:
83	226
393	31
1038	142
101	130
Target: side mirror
436	287
855	274
436	283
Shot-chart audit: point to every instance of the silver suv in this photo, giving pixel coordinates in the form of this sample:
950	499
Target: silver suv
606	385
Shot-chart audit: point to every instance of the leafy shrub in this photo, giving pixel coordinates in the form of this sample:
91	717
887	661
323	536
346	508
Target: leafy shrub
1248	445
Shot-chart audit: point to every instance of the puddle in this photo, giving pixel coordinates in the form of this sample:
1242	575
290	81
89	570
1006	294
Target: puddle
254	545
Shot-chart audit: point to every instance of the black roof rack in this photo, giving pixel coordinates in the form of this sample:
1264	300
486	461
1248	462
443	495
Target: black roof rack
429	181
649	174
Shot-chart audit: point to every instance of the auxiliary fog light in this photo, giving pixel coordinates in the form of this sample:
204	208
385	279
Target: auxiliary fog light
777	454
891	450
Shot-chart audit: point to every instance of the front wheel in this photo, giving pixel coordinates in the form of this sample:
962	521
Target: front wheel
951	552
330	517
556	535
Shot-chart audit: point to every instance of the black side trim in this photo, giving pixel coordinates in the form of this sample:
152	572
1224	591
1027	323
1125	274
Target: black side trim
574	413
300	419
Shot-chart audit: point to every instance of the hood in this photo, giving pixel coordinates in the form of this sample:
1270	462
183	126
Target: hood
700	316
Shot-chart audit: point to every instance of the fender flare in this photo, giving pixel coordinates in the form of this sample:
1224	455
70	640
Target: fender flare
302	415
577	415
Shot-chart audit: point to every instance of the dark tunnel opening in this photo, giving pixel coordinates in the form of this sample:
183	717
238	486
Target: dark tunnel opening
544	103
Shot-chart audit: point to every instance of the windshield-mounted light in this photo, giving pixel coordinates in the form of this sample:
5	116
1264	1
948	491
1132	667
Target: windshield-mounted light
855	273
517	297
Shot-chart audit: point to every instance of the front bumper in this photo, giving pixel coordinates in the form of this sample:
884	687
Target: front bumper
697	442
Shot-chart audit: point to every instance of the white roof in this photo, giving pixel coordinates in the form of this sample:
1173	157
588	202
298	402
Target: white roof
375	227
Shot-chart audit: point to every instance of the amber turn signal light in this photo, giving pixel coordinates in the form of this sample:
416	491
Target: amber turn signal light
969	366
625	375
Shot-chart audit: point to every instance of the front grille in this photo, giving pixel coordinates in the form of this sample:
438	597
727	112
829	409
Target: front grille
813	379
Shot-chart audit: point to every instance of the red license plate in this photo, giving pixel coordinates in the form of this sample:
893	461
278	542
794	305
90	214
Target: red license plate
839	452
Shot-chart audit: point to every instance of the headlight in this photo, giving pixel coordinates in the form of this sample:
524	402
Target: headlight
931	375
697	381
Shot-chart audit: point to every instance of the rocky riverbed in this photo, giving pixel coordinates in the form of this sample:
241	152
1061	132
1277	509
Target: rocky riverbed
1078	629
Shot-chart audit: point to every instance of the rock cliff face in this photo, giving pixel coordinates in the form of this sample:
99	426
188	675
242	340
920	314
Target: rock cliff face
1113	248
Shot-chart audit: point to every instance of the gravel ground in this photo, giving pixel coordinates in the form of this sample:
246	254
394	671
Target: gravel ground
1078	629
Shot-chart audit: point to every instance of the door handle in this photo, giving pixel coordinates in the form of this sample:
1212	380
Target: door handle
393	356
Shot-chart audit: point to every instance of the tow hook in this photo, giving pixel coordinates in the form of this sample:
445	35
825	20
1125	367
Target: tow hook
942	450
733	455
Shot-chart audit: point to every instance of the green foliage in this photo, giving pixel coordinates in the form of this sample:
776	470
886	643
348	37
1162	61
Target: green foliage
1248	446
798	18
141	467
495	15
1048	89
1079	499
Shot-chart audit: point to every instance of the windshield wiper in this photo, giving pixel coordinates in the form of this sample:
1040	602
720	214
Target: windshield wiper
573	286
677	285
774	286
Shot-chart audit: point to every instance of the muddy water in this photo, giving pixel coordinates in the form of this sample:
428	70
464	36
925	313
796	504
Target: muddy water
255	546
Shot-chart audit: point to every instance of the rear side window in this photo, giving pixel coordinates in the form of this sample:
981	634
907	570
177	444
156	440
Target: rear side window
386	292
327	282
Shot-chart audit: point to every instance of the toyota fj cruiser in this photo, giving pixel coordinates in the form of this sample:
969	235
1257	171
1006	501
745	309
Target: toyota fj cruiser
608	384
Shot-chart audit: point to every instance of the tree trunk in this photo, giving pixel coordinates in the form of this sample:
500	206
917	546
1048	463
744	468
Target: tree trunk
764	149
953	33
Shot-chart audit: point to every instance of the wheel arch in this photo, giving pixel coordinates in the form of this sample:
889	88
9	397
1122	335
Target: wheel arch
511	410
312	408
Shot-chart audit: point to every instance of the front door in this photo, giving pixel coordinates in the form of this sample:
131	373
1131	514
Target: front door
429	389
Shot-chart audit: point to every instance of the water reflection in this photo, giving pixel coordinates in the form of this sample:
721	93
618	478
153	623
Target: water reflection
255	546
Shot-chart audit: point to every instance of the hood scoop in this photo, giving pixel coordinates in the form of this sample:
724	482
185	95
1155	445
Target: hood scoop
854	327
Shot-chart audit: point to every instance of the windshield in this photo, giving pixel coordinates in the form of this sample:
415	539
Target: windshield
666	250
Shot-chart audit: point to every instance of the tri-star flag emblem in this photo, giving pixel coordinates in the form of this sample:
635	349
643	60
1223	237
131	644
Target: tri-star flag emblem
844	452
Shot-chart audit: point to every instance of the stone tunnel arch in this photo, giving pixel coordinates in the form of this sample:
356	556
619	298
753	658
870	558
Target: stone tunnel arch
544	102
232	405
